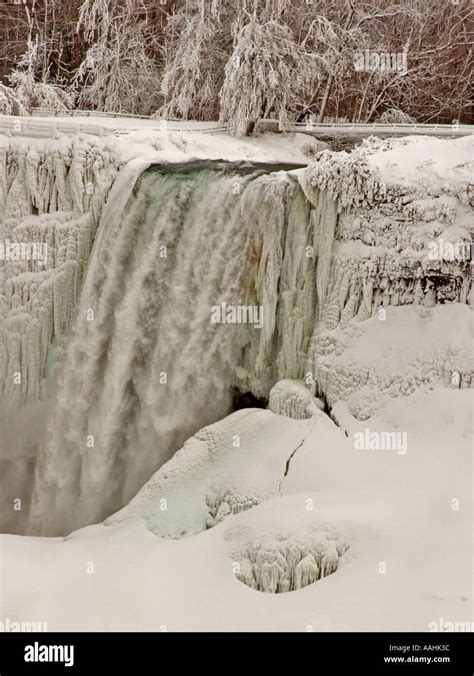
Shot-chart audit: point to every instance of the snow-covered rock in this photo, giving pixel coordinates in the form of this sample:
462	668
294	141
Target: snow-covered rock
224	469
293	399
366	364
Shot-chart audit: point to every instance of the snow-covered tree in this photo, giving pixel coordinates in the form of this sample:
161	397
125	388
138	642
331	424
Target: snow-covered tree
197	46
118	73
395	116
177	56
267	73
38	91
10	104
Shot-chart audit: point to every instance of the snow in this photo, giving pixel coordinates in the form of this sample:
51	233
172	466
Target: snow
166	141
216	473
390	509
293	399
430	163
368	363
393	171
355	311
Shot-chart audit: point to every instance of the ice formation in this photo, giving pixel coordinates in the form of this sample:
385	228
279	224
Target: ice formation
399	241
293	399
51	196
330	255
286	560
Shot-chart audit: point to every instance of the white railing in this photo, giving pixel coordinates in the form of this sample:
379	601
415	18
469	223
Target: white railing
177	125
46	124
42	125
377	128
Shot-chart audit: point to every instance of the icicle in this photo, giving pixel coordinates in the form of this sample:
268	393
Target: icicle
280	563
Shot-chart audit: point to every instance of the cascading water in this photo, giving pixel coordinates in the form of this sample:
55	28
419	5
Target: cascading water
142	365
146	367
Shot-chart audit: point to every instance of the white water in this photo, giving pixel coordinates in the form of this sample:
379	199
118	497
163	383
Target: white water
186	241
145	367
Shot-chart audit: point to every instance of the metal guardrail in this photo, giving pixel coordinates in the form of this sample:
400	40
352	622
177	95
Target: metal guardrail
89	113
42	124
316	127
39	126
380	129
156	122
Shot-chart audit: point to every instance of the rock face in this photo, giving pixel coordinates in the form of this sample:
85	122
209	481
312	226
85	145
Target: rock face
400	265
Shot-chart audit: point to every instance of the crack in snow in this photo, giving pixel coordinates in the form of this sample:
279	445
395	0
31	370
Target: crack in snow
312	423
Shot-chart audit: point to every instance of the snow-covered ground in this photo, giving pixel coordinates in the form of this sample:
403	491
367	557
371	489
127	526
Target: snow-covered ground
162	141
430	163
406	518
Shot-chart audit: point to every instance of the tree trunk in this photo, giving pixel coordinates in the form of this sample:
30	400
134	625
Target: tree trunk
330	79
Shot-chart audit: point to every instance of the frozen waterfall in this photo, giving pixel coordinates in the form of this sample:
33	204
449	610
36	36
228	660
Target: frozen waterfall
205	278
146	365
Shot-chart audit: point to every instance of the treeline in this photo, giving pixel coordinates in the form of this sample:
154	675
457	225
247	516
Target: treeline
240	61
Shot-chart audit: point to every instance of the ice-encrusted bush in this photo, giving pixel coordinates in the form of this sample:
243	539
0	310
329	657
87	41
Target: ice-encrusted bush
396	116
223	505
10	102
46	96
38	91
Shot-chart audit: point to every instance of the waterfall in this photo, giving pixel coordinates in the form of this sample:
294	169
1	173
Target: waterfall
145	366
203	278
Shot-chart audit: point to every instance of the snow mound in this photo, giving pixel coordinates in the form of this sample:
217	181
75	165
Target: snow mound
224	469
293	399
377	503
394	170
432	164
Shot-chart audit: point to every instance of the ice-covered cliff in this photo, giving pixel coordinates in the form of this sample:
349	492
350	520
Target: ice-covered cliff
216	276
51	197
395	315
